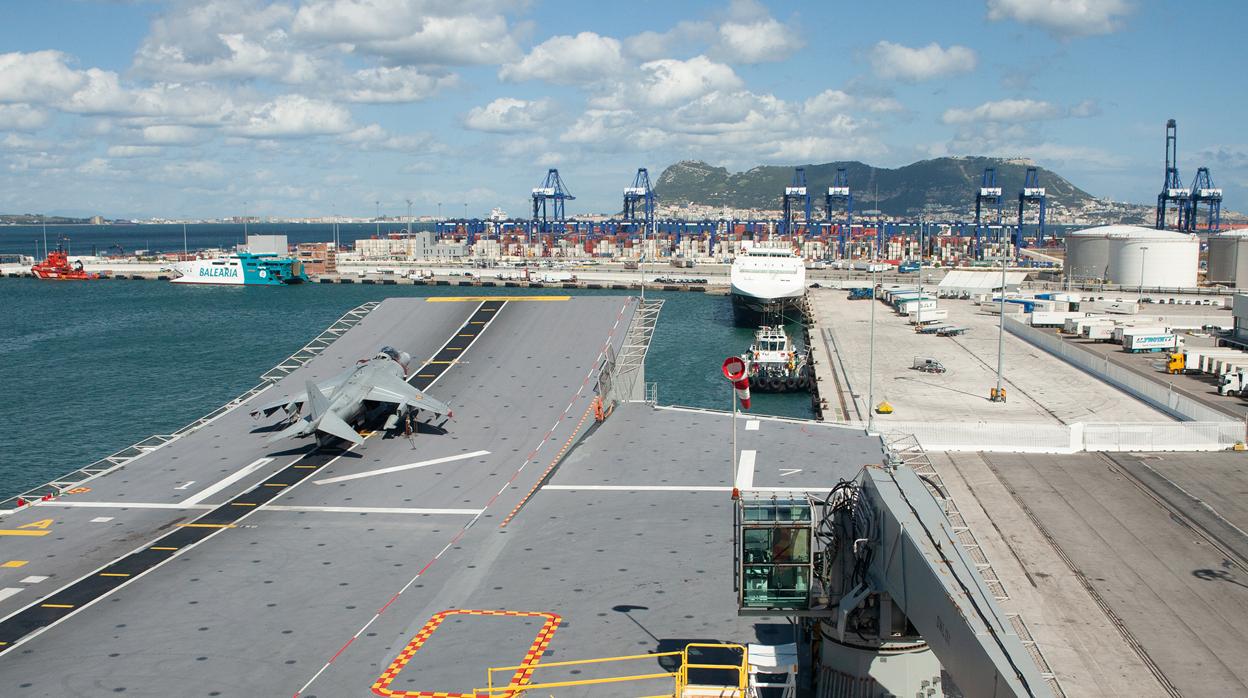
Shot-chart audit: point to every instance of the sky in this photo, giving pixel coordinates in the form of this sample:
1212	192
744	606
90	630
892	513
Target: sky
314	107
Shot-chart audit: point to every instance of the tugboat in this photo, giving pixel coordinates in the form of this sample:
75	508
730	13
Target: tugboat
774	364
57	268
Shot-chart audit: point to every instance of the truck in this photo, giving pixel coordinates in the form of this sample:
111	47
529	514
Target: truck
908	267
1122	330
927	316
860	294
1136	343
1189	359
1233	382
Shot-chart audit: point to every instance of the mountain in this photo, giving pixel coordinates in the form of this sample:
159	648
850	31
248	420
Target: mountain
942	185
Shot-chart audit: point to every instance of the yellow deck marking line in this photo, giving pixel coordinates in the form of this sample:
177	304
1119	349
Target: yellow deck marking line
56	605
441	362
426	375
113	574
454	348
242	504
274	484
199	525
306	467
464	299
22	532
161	547
15	563
476	322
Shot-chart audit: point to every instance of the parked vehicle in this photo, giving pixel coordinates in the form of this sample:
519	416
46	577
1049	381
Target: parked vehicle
1149	341
928	365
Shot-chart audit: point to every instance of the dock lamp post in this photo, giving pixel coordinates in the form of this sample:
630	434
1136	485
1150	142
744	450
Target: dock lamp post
999	394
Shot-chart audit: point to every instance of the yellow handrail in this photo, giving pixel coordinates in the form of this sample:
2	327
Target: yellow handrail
680	677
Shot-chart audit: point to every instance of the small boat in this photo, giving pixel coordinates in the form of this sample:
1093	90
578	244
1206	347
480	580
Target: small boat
774	364
57	267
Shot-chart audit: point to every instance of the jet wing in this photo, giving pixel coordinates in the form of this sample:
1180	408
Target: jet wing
328	387
388	388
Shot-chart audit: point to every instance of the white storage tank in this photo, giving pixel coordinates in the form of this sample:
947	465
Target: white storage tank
1087	253
1228	258
1153	258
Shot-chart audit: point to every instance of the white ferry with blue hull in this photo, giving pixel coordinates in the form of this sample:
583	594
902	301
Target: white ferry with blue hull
242	269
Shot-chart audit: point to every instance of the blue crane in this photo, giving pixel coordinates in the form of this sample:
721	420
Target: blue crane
1172	189
796	193
1031	192
554	192
838	192
989	193
1203	192
639	200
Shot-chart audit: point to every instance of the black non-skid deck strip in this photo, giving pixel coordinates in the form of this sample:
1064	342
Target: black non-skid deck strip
68	600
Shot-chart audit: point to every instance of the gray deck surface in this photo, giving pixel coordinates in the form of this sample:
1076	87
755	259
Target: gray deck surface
1180	597
288	602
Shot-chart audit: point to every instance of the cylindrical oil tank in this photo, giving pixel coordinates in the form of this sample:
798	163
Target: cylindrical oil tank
1153	258
1228	258
1087	253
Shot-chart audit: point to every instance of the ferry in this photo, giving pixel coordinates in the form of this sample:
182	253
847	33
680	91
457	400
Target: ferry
241	269
766	281
774	364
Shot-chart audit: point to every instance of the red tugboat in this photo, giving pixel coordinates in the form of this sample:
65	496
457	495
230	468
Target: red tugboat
57	268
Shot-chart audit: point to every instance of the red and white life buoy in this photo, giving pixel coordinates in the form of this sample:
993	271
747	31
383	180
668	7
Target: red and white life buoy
734	371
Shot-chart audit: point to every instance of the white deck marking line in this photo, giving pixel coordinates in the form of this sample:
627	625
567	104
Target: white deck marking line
34	579
125	505
373	510
745	469
185	485
102	519
227	481
752	425
251	510
9	591
677	488
398	468
784	472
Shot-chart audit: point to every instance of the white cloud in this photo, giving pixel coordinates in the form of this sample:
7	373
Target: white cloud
294	116
668	82
394	84
1006	110
1063	18
197	171
374	137
167	134
1018	111
651	45
13	141
834	102
95	167
21	117
894	61
134	151
38	77
509	115
569	60
759	41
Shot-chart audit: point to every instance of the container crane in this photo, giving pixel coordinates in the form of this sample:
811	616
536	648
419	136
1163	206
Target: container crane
989	193
551	193
639	200
1031	192
796	193
1172	189
1203	192
838	192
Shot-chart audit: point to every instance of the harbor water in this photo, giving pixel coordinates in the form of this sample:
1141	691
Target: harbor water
89	368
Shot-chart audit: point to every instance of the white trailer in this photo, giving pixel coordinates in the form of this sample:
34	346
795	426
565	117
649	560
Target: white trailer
1207	361
1121	330
909	307
927	317
1137	342
1052	318
1099	332
1076	325
1219	365
1192	357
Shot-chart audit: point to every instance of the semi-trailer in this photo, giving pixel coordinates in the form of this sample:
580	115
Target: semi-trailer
927	317
1149	341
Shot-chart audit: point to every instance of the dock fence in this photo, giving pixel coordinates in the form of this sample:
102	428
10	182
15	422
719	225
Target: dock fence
1014	437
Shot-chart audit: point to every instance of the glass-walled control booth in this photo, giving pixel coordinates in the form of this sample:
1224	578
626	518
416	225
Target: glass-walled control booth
774	562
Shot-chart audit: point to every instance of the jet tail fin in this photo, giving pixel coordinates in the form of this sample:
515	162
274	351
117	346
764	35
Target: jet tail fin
331	423
318	403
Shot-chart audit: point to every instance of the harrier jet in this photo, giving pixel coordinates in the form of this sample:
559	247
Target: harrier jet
334	404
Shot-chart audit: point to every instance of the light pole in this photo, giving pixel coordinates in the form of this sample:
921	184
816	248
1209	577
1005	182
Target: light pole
1001	326
871	355
1143	254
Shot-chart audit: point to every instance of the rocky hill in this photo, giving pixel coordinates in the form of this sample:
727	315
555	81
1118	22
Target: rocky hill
932	187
